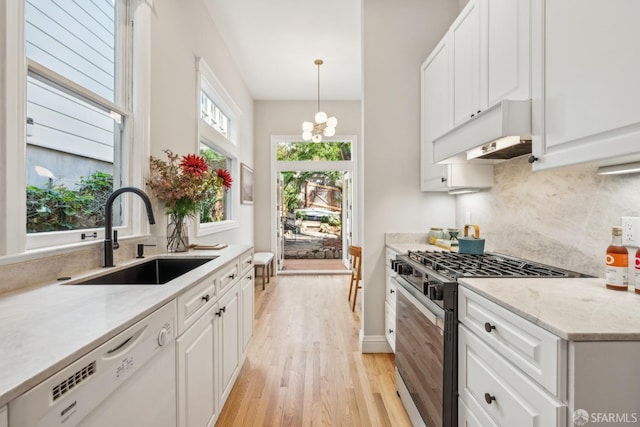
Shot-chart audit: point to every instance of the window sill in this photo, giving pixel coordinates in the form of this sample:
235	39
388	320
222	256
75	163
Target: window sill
212	228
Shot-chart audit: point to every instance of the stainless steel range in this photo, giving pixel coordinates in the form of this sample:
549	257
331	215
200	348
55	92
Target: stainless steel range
427	324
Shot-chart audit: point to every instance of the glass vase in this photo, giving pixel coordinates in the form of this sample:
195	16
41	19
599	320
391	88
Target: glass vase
177	234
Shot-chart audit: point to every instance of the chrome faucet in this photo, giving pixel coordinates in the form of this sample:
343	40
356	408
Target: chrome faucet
110	244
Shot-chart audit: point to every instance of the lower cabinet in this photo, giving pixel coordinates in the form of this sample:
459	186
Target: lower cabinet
210	351
247	296
390	301
3	417
196	372
229	342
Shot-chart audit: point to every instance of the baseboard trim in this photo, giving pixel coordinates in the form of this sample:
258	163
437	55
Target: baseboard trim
374	343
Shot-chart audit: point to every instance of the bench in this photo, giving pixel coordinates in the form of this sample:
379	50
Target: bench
264	260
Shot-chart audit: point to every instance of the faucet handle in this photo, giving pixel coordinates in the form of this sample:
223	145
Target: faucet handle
116	245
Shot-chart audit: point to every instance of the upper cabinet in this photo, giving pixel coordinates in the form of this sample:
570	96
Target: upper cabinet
488	49
586	92
436	119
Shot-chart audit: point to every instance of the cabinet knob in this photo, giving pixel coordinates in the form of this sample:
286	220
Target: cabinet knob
479	111
532	159
473	115
206	298
488	398
489	327
219	313
391	291
390	331
443	179
224	309
232	276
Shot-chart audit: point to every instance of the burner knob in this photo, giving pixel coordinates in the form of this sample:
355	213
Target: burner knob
435	292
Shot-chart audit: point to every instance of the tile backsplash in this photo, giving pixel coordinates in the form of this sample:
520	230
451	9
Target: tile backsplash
559	217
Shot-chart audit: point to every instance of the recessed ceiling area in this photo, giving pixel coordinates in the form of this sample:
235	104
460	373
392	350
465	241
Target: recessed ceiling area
275	43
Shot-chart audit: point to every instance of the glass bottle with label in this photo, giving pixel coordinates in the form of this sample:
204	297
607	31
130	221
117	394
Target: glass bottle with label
617	263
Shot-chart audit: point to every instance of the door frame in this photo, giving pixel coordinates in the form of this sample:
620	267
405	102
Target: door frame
351	166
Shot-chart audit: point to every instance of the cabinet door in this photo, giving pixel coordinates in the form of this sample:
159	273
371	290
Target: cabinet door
3	417
436	114
586	95
248	284
506	48
465	53
196	373
390	324
229	342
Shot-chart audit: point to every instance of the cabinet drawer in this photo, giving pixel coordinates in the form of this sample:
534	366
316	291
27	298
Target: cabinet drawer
538	353
487	383
226	277
246	262
391	288
193	303
390	324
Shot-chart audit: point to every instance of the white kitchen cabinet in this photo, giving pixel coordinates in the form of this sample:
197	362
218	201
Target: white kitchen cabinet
229	321
490	42
468	418
4	422
464	38
248	284
436	119
197	403
390	301
533	376
585	93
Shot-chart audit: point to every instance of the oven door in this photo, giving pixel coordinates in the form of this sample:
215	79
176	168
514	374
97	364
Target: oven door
420	355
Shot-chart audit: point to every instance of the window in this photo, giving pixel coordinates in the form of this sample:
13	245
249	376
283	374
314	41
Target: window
217	143
218	208
67	103
76	118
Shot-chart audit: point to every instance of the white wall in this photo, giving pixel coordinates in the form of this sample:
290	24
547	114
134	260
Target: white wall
180	31
397	38
285	118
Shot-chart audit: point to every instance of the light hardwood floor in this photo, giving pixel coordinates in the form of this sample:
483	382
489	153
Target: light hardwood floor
303	366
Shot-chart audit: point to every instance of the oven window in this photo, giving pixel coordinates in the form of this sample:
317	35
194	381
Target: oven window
419	359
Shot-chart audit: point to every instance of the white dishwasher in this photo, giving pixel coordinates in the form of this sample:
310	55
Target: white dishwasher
128	381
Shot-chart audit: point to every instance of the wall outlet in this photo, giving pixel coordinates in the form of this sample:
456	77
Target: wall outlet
630	231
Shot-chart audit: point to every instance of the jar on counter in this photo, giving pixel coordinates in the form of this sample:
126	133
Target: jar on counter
435	233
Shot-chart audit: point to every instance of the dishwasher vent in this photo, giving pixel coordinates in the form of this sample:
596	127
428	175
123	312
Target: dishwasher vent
75	379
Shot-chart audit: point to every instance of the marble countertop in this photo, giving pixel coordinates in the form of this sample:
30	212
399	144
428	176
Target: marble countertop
580	309
44	329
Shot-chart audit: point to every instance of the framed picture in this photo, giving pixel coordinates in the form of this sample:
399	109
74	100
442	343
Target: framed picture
246	184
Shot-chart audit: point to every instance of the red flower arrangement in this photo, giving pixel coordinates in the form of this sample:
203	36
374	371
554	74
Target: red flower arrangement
183	184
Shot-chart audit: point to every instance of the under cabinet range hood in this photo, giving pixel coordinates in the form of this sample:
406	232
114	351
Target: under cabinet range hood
498	133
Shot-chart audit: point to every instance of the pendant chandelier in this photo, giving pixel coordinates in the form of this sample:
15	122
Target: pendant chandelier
323	125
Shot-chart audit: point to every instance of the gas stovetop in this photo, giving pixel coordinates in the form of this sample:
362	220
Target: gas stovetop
455	265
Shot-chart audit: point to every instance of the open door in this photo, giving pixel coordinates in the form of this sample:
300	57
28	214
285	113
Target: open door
280	220
347	216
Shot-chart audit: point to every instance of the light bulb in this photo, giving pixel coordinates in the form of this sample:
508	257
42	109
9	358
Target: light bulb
307	127
332	122
306	136
316	138
329	131
321	117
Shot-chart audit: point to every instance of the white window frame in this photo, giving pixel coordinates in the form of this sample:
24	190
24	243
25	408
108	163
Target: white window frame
209	83
15	243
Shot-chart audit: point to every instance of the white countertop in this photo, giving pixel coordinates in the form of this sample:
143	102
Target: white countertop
580	309
44	329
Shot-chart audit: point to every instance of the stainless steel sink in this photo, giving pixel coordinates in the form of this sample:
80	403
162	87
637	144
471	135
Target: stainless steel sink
153	272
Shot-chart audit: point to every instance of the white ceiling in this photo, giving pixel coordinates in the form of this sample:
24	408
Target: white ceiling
275	43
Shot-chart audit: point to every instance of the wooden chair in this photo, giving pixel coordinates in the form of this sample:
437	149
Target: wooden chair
356	273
